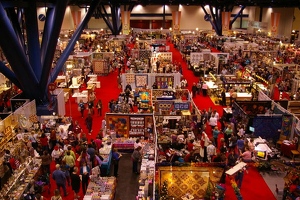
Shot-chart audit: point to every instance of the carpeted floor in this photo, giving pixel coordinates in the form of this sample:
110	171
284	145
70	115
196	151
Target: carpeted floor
253	186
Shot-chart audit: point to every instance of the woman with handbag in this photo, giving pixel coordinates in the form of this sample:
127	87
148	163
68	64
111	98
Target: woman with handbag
136	157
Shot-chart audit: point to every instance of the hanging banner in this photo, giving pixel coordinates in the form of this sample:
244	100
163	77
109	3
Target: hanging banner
125	22
275	18
176	15
226	21
76	17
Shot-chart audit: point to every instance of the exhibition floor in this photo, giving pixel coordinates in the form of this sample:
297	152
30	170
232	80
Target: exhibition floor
253	187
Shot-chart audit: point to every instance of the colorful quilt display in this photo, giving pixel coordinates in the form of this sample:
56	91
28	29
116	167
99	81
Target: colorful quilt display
100	67
118	123
163	82
165	105
141	80
195	57
183	181
144	54
129	78
188	180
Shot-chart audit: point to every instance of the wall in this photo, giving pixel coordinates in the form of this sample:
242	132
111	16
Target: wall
296	22
192	17
285	23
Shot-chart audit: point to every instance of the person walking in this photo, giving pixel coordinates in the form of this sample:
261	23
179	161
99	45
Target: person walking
69	160
136	157
116	158
216	133
85	173
89	123
60	179
194	90
46	161
75	182
204	89
81	108
99	107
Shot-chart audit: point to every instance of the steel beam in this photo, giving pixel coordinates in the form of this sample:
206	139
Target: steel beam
59	13
237	15
46	33
63	58
16	25
12	48
34	50
10	75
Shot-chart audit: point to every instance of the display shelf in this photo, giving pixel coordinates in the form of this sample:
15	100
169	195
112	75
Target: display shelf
137	126
101	188
19	181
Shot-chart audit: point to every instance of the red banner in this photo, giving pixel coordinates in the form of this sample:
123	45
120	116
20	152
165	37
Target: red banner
275	18
176	15
125	22
226	21
76	17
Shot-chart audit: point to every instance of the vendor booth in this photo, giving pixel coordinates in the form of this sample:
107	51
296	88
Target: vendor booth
163	80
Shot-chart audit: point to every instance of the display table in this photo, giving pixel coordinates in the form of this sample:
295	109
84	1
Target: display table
81	96
286	148
236	168
241	96
261	146
101	188
93	77
124	144
147	171
75	88
92	82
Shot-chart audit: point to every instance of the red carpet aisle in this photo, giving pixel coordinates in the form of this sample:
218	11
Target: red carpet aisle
109	90
253	186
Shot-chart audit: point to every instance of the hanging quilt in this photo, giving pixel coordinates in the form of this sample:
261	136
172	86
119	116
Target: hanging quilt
129	78
141	80
144	54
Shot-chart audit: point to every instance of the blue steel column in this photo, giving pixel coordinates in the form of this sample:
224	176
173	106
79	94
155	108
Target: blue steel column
16	25
46	32
72	42
10	75
20	65
115	17
105	17
59	13
236	16
33	44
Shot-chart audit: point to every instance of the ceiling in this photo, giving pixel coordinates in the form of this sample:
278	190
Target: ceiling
262	3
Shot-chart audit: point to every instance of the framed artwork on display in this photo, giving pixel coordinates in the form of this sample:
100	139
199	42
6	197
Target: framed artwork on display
141	80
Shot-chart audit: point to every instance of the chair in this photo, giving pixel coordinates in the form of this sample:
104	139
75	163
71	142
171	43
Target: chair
279	142
295	152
